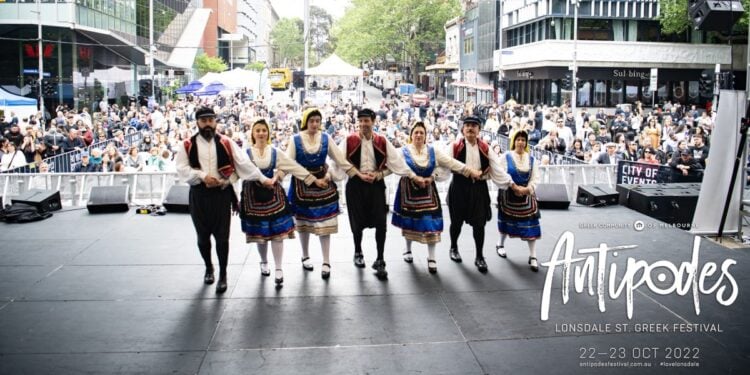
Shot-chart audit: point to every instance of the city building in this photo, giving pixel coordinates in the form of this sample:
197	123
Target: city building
618	43
94	50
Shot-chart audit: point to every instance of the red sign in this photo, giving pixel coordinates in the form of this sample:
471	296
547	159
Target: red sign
32	50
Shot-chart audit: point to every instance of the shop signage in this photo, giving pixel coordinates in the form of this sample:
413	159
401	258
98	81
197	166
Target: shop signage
629	74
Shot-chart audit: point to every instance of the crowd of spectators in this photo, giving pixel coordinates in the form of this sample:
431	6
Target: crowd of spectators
668	135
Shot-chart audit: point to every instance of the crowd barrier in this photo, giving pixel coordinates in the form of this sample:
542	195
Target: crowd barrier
152	187
66	162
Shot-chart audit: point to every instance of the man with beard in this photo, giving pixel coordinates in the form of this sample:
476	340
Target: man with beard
468	198
210	163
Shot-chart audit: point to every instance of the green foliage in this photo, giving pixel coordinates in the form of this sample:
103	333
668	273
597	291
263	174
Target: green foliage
373	30
675	19
207	64
287	41
322	42
256	66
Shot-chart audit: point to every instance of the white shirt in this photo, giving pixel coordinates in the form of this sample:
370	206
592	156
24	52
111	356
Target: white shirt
283	163
496	173
394	163
208	160
522	165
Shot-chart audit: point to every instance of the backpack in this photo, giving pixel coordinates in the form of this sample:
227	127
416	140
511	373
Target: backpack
22	213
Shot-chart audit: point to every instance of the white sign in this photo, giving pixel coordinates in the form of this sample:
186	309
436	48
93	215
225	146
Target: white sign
654	75
496	60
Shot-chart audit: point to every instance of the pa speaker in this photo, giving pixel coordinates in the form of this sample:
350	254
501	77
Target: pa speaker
552	196
715	15
673	205
597	195
107	199
298	79
43	200
177	199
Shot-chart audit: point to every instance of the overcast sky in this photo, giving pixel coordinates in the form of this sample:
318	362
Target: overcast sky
294	8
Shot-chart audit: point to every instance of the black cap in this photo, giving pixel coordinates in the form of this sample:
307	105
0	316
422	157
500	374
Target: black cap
685	152
472	120
204	111
366	112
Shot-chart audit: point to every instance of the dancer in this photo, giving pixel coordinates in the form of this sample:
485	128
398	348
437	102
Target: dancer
518	212
210	163
375	158
468	198
265	213
316	209
417	209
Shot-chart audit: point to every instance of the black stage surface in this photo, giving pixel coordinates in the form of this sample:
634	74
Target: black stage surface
123	293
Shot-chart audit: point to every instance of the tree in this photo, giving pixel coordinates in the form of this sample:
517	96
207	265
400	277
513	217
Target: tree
410	31
675	19
207	64
287	41
256	66
321	41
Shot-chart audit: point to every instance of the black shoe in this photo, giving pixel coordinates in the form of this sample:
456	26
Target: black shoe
221	286
481	265
208	278
306	264
325	274
455	256
533	263
279	279
379	267
359	260
432	265
501	251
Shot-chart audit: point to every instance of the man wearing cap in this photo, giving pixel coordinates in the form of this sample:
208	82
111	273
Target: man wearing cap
375	158
210	163
685	168
610	157
468	198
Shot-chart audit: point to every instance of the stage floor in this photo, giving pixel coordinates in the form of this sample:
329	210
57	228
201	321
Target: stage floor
123	293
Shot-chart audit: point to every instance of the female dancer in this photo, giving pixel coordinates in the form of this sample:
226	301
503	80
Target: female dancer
315	208
518	215
417	210
265	213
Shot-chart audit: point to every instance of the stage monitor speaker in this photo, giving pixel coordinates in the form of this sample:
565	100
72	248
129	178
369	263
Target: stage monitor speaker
43	200
552	196
107	199
715	15
673	206
624	192
597	195
177	199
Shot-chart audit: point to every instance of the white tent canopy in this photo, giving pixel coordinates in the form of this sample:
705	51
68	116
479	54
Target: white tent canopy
234	79
333	66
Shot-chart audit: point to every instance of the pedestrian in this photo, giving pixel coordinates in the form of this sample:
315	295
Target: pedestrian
518	210
265	213
315	209
468	197
417	209
375	158
210	163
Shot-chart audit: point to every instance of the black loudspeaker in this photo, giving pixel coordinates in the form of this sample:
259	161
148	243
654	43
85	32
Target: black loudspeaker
715	15
624	192
597	195
674	204
552	196
107	199
298	79
43	200
177	199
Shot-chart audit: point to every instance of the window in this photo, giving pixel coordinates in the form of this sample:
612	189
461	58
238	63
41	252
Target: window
631	92
595	29
616	91
600	93
469	45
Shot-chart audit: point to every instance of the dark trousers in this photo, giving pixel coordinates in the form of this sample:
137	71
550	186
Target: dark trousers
211	212
367	209
478	231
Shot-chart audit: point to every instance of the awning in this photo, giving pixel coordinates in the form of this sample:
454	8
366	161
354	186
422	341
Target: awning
441	67
476	86
116	44
184	52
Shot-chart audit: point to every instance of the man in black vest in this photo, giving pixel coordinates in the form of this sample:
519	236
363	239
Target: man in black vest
375	158
210	163
469	199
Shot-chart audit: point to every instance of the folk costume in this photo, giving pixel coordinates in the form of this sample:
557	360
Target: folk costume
518	215
469	200
315	209
365	201
416	210
265	214
210	207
